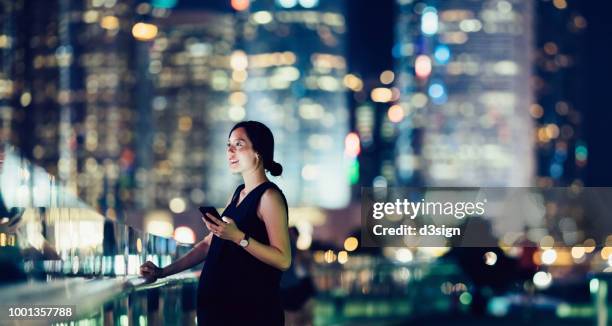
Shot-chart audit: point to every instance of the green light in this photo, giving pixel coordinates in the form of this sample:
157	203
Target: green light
353	171
164	4
594	286
465	298
564	310
123	320
581	153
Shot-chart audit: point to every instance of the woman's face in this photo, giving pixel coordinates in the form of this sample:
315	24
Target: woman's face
240	154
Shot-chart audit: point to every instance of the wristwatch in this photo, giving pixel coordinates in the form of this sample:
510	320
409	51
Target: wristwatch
245	241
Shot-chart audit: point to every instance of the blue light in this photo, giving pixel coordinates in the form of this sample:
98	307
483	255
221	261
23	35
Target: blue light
397	50
436	90
287	3
560	155
442	54
556	170
164	4
309	3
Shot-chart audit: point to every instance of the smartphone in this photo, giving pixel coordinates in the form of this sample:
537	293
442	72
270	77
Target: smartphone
212	211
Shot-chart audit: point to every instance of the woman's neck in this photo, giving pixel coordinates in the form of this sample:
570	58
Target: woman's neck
253	178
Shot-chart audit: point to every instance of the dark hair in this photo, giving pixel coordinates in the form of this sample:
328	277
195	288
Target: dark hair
263	143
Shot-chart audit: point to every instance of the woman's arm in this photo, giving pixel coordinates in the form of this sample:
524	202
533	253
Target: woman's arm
273	213
152	272
195	256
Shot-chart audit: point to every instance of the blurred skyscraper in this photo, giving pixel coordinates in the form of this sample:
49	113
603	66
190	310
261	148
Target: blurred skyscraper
293	82
192	111
558	109
40	84
463	69
375	122
14	96
108	132
69	87
558	83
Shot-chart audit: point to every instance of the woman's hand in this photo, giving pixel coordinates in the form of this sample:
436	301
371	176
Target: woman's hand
224	229
151	272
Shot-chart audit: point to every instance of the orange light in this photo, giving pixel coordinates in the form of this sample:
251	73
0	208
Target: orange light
395	113
352	145
144	31
536	111
381	95
184	234
552	131
606	252
351	243
110	22
353	82
386	77
560	4
240	5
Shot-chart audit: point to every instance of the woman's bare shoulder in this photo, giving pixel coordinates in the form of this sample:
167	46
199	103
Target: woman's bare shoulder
272	201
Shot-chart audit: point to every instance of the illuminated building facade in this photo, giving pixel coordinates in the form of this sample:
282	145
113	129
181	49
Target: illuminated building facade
562	152
39	83
375	123
558	112
72	94
193	109
9	89
296	66
108	133
463	69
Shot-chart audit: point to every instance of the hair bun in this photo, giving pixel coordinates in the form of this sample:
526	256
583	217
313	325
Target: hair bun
275	169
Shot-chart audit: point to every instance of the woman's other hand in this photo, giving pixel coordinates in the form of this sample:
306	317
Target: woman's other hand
224	229
151	272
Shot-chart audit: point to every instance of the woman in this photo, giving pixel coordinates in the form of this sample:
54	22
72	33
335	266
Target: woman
248	249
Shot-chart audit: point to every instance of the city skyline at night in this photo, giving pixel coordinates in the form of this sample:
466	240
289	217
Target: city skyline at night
88	141
452	152
72	104
191	93
294	85
463	70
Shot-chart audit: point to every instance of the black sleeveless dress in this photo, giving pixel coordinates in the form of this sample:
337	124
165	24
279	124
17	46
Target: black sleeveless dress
235	288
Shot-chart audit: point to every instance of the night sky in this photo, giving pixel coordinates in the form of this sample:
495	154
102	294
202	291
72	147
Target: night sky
370	39
598	115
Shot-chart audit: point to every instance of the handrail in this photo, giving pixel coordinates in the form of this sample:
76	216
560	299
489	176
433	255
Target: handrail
88	295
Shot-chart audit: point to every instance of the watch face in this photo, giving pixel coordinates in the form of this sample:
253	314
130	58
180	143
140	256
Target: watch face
244	243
